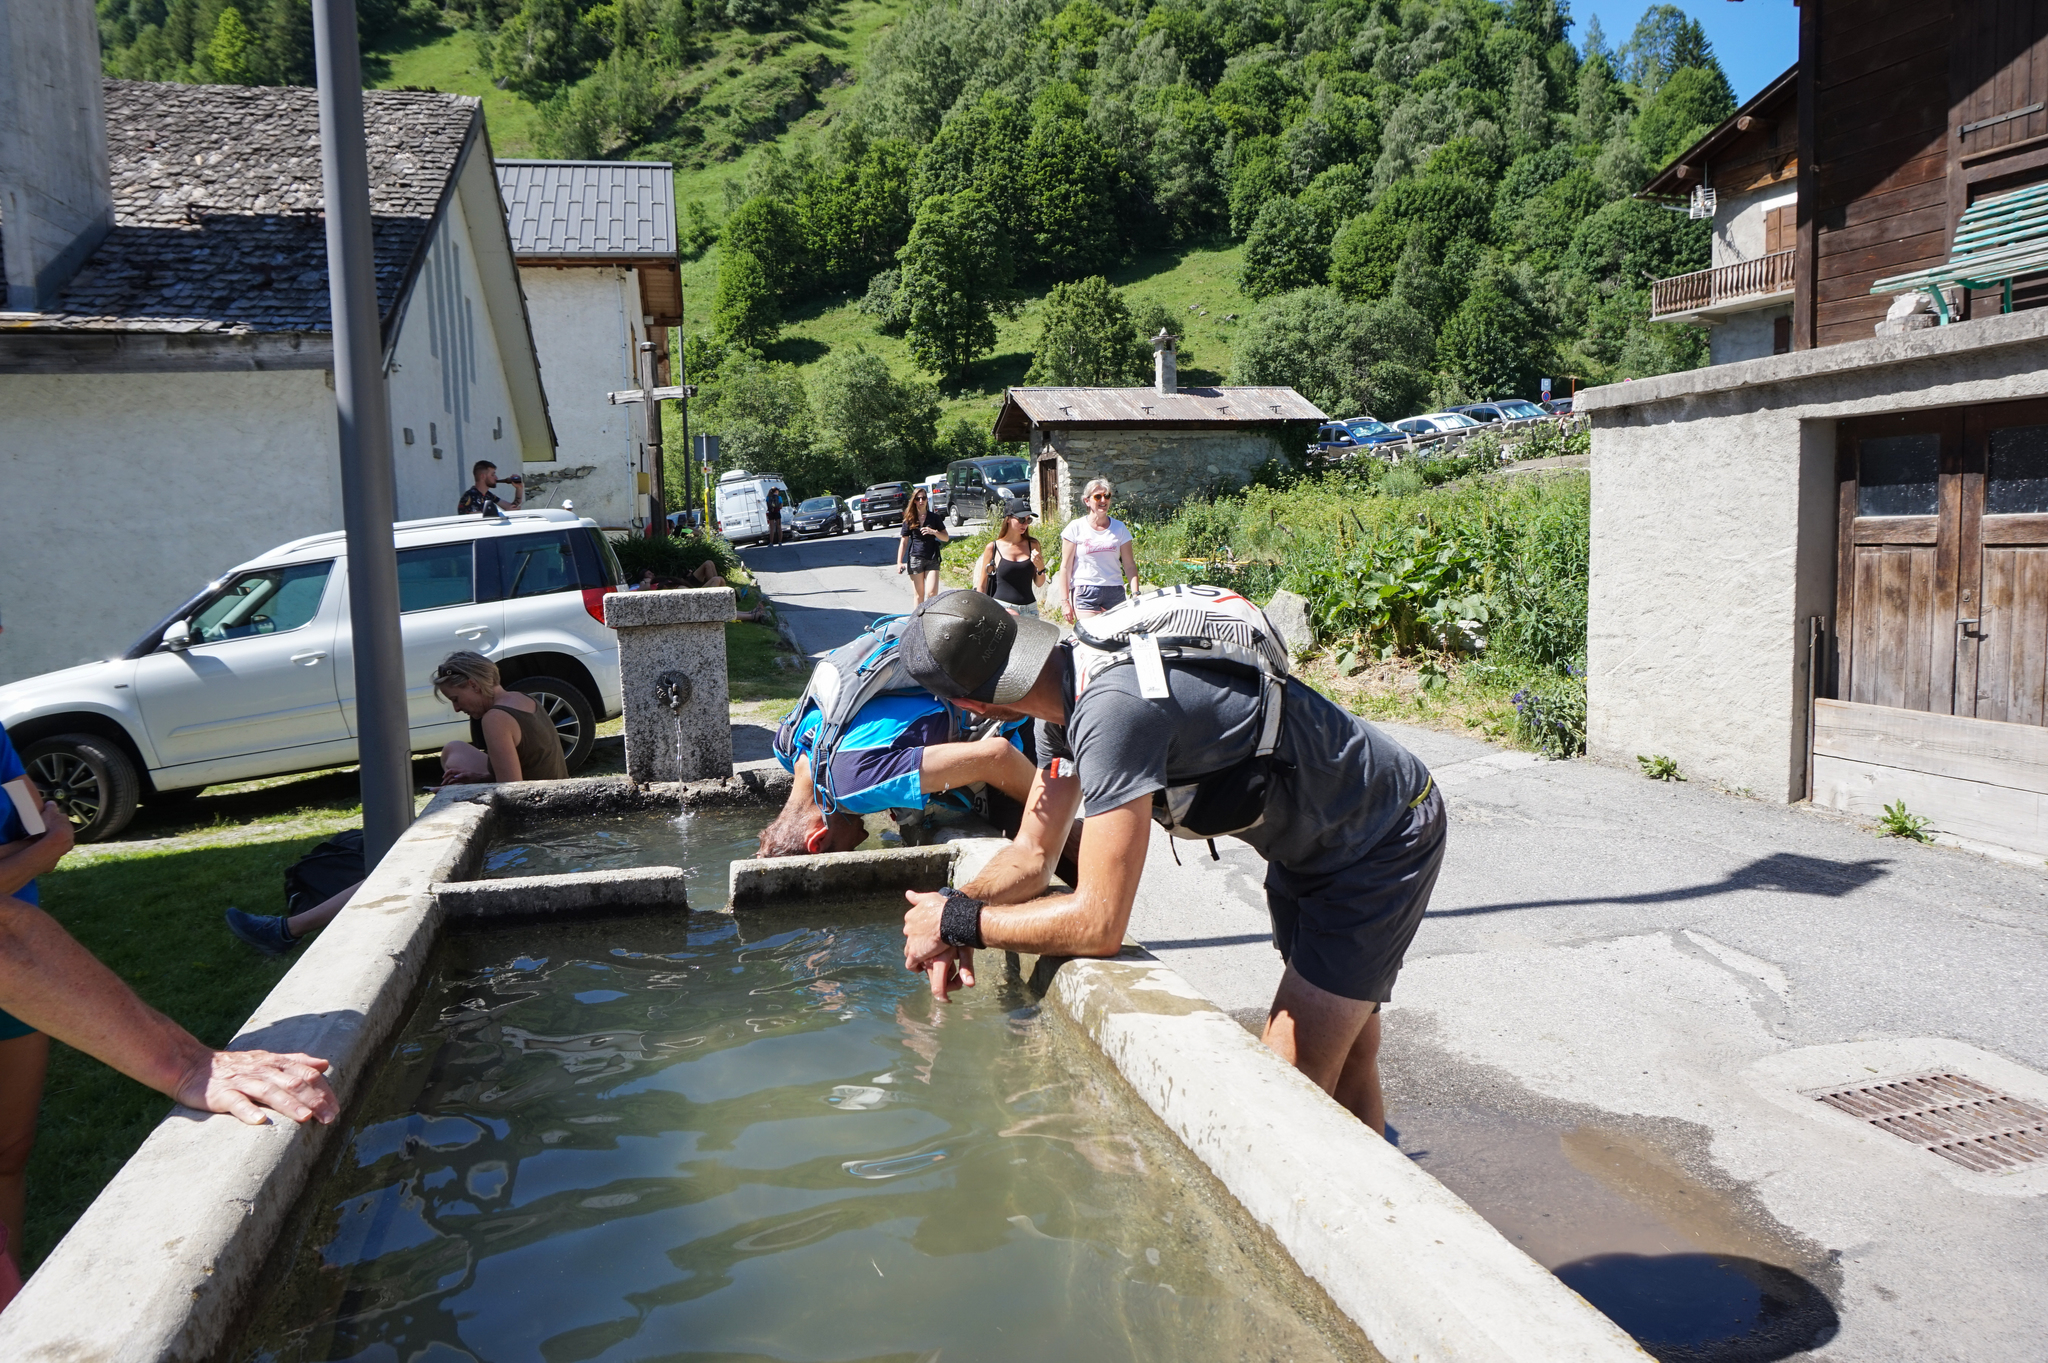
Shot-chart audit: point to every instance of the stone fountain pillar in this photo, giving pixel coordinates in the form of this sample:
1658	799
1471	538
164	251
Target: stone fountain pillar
672	672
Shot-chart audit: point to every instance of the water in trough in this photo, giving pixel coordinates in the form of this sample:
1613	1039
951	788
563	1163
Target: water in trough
708	1138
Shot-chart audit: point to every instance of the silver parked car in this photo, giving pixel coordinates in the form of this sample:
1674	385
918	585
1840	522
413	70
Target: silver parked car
254	675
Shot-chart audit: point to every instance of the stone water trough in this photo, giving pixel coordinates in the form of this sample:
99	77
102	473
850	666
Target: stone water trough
166	1262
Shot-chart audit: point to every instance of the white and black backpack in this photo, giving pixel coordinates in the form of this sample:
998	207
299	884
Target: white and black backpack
1197	626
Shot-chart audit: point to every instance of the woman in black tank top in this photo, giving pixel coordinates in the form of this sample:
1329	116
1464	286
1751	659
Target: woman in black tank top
1012	564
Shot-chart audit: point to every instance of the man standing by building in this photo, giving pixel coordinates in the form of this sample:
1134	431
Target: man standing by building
479	499
1349	822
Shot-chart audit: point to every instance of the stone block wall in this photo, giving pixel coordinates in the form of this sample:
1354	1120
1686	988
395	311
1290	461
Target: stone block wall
1150	468
1714	535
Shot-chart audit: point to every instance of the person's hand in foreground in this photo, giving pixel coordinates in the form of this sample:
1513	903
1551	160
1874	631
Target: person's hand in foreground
945	967
56	986
248	1084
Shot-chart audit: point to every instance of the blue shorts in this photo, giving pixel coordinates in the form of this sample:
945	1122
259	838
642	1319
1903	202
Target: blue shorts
13	1028
874	779
1098	598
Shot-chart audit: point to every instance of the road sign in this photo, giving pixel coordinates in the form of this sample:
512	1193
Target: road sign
707	448
1546	390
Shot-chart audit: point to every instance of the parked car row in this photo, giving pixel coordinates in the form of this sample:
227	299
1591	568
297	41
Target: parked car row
1350	434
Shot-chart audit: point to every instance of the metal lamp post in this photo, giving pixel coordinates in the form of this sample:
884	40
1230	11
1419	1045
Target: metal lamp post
363	411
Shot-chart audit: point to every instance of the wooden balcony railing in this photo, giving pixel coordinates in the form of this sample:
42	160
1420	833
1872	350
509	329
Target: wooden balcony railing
1757	278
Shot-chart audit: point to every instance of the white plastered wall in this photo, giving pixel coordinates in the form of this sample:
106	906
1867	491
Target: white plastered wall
1739	223
587	327
448	387
1745	335
121	495
1713	536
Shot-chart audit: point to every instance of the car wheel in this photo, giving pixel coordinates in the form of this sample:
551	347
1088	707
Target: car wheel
89	778
568	709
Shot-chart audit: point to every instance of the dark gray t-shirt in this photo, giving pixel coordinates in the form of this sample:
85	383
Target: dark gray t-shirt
1350	783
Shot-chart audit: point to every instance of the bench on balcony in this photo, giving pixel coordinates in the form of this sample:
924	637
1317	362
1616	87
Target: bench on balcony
1998	240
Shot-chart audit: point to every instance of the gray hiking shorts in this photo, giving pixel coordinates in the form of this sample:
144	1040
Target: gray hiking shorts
1346	932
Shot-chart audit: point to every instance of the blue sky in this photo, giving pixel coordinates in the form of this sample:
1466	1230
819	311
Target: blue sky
1755	39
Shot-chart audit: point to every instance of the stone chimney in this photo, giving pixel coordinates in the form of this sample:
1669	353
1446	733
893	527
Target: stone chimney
1165	365
56	195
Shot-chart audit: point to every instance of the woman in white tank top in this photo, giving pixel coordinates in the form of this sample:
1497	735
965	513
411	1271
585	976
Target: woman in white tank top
1098	568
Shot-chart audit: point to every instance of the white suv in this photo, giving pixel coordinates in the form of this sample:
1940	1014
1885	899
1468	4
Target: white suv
255	675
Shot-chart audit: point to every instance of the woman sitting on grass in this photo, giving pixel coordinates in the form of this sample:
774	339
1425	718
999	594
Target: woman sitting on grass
511	740
705	576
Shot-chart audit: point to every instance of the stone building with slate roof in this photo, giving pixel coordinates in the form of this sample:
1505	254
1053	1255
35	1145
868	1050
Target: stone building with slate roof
1158	445
166	356
596	246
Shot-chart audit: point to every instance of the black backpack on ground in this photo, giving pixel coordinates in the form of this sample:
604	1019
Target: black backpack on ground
324	872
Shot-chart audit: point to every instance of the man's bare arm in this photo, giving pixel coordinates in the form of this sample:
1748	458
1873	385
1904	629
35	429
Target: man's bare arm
55	985
1088	922
1022	870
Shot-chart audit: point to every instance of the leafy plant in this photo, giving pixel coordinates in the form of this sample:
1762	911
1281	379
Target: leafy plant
1896	822
1550	715
675	557
1659	767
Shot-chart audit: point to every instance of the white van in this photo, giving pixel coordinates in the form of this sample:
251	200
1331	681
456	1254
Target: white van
743	504
254	675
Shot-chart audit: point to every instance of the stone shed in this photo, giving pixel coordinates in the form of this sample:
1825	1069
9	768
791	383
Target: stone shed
1157	445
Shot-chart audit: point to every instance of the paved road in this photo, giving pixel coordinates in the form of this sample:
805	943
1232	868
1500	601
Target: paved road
1621	993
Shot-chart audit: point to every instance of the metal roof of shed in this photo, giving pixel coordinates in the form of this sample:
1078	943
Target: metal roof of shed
602	210
1185	408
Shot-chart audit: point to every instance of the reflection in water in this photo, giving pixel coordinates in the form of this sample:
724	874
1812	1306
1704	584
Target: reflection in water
701	841
658	1139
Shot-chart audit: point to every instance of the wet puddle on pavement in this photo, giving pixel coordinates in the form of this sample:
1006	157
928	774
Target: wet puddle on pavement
1687	1269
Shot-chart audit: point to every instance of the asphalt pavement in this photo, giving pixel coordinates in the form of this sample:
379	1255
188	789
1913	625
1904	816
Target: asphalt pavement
1614	1017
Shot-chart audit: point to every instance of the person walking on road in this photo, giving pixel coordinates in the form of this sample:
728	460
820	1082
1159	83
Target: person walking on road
1098	568
1350	824
777	499
1012	565
917	548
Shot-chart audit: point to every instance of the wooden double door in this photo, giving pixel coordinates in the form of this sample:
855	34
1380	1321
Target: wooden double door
1942	582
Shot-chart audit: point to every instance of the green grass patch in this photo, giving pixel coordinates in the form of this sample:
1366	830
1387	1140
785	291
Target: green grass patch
752	672
448	62
155	919
1197	285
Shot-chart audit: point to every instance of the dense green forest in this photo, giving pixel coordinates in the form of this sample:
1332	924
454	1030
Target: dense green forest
1426	201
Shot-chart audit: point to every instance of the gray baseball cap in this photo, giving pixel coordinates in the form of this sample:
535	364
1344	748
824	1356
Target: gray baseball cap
964	646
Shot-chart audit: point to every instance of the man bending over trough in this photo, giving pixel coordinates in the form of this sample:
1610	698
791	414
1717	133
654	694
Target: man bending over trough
895	753
1349	822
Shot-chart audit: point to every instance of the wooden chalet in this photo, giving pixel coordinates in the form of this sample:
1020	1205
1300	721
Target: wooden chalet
1871	490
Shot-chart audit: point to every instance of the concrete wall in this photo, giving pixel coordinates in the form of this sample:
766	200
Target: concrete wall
120	495
55	195
1713	530
587	326
1739	224
449	392
1150	468
1745	335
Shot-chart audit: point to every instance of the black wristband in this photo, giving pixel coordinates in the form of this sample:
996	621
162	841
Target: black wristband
960	920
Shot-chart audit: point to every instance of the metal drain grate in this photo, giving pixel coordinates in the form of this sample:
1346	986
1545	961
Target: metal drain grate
1959	1119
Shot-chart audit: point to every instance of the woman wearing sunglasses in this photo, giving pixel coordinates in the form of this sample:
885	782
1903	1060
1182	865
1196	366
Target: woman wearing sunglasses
1098	568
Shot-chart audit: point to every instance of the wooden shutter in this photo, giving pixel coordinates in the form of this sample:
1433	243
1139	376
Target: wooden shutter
1778	225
